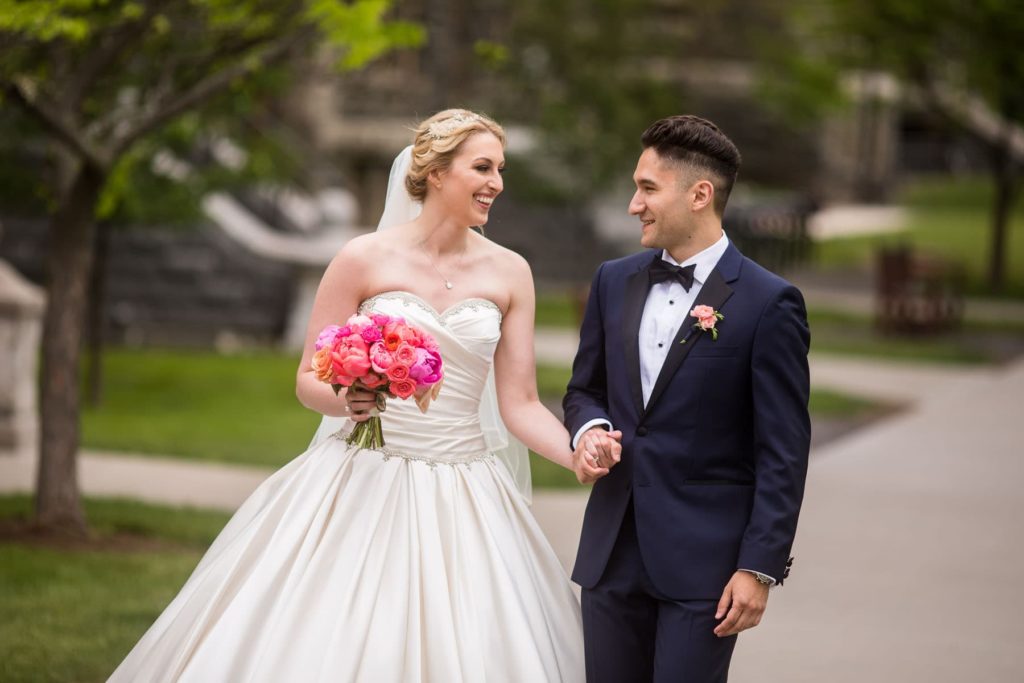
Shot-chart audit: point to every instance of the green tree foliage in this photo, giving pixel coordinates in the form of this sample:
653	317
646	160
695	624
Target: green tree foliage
99	78
959	59
591	76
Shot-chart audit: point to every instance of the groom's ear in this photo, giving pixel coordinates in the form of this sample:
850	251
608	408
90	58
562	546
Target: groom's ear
703	192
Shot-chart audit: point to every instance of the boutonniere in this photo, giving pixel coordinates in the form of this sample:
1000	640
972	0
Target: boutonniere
707	318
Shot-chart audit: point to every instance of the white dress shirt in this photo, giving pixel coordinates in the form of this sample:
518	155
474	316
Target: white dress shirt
668	305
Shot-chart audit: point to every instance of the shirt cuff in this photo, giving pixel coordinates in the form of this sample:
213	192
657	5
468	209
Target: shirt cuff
763	578
596	422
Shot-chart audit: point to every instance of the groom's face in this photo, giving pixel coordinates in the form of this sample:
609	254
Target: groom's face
662	201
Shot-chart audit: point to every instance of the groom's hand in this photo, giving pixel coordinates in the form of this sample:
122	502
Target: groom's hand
596	453
743	602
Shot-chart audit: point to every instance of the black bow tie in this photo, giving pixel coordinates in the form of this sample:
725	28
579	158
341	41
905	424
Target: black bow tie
661	271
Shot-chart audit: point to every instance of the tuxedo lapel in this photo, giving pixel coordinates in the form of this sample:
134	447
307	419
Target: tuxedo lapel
715	292
637	286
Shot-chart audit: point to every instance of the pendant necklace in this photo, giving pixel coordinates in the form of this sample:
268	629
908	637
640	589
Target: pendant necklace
447	283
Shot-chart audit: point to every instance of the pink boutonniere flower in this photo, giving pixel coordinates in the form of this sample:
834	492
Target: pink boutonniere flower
707	318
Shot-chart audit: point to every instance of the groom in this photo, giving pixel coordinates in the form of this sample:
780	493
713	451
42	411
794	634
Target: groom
695	358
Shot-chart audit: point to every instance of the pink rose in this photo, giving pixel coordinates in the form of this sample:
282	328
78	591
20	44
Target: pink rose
371	334
379	319
413	337
327	336
707	318
398	372
702	312
397	332
403	388
427	368
405	354
380	357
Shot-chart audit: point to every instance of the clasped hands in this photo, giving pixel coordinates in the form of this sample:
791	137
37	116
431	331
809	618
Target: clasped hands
597	451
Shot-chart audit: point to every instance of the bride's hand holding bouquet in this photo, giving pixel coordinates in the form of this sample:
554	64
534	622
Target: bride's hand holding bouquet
382	354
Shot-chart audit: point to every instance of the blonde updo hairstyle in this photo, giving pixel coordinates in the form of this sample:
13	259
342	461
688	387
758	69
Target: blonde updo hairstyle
437	141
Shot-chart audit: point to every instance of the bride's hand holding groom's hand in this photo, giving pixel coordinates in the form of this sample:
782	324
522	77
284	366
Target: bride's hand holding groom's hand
596	453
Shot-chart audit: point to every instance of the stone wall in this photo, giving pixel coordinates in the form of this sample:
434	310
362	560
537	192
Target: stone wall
21	311
174	287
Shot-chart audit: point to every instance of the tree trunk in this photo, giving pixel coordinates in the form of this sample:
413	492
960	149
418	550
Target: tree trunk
58	501
1005	178
97	316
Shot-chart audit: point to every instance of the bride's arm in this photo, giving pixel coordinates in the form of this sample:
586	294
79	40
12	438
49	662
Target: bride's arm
337	297
515	374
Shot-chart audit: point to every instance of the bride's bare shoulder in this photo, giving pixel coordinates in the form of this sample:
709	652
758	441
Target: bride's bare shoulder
505	261
364	250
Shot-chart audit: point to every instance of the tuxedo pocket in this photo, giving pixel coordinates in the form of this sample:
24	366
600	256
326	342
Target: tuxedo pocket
717	482
713	349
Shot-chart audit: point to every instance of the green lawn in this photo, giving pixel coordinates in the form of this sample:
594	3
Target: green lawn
825	403
840	332
72	615
201	405
950	218
241	409
556	309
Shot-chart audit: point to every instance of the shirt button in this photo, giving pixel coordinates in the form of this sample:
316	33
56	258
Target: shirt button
671	302
660	345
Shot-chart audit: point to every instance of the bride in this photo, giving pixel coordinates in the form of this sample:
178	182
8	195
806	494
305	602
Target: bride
421	561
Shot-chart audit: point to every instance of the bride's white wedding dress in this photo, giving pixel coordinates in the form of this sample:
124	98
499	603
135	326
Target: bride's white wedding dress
418	563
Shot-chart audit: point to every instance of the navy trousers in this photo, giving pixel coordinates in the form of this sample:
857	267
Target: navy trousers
635	634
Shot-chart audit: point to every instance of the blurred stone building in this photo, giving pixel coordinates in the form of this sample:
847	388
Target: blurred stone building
209	286
358	121
708	57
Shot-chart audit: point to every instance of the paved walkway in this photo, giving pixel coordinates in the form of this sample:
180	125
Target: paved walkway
908	553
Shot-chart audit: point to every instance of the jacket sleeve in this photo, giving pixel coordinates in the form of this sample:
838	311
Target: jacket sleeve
586	397
780	384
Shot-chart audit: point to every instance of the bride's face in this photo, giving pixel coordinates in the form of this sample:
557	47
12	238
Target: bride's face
472	182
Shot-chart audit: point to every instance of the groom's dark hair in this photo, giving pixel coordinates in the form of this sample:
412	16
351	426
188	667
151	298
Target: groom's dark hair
699	144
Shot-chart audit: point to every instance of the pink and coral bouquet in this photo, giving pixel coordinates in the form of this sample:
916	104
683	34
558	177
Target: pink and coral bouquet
384	354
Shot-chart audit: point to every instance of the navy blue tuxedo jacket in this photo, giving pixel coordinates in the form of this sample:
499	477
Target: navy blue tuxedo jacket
716	462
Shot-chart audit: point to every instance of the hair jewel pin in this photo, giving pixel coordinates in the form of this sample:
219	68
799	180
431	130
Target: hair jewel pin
442	129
